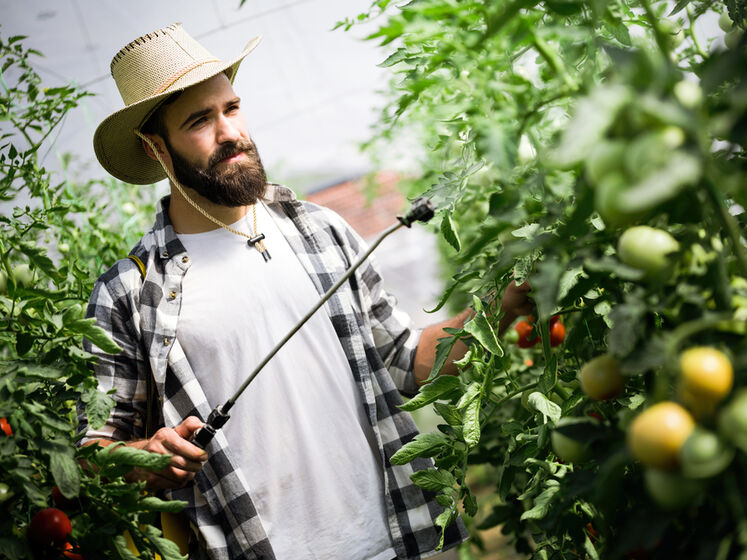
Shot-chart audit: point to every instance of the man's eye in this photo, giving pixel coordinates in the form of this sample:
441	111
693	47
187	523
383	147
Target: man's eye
198	122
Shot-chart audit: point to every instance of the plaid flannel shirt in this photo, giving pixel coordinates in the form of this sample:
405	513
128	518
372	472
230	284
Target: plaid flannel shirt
142	316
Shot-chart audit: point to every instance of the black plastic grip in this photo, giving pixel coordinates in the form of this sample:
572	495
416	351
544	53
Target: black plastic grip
215	421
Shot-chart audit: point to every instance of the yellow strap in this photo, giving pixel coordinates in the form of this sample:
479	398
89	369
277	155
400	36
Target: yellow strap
139	264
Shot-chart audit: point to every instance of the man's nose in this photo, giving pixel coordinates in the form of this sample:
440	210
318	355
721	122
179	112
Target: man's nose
227	130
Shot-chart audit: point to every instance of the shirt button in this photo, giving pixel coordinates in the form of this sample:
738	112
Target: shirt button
165	255
185	259
172	294
166	342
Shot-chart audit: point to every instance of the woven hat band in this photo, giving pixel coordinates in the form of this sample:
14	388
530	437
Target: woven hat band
174	77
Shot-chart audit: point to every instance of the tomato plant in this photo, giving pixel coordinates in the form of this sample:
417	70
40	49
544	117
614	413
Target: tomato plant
43	370
595	149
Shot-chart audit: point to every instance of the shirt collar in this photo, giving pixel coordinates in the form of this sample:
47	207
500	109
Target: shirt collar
168	242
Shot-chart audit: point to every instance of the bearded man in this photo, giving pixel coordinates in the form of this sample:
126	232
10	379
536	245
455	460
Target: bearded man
232	262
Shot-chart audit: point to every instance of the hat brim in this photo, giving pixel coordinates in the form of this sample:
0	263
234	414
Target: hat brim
117	147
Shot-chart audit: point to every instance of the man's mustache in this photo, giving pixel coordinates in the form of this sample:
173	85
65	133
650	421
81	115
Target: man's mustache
230	149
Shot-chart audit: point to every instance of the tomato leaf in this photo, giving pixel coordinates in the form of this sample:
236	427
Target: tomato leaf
545	406
94	333
98	407
434	480
471	426
152	503
434	390
63	466
480	328
458	280
681	170
168	549
131	457
423	445
449	231
593	115
542	502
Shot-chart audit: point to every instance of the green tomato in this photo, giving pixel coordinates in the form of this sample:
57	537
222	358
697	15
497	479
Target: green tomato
724	22
511	336
669	489
607	200
567	449
688	93
704	454
23	276
647	249
732	38
673	32
63	248
604	158
5	492
732	420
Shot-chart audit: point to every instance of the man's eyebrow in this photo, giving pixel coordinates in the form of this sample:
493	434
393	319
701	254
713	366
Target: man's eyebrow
203	112
193	116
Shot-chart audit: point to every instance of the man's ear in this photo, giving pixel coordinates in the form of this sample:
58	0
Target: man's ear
159	144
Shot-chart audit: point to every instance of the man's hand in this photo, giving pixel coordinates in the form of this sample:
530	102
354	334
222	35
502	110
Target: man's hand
515	303
186	461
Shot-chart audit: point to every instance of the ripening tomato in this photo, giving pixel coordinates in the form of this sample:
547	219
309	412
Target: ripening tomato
557	331
5	427
49	528
707	374
601	378
657	434
525	330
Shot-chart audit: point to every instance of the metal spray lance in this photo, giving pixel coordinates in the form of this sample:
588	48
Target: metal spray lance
420	211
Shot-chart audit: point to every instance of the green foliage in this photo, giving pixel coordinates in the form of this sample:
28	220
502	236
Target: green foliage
549	128
56	238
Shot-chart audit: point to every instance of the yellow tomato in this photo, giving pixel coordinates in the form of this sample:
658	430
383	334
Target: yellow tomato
656	435
707	374
601	378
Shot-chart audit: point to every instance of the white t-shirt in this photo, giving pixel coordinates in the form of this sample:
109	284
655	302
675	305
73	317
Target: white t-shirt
299	431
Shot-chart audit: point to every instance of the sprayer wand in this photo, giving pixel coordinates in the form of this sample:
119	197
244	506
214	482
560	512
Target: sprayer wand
420	211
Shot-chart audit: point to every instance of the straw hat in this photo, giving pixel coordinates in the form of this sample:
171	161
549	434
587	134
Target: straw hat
147	71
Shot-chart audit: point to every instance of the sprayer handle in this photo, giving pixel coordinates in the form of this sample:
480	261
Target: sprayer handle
215	421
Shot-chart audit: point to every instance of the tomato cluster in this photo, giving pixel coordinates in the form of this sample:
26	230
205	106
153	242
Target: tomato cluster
528	335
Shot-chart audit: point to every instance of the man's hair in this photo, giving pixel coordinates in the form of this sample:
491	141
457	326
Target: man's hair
156	123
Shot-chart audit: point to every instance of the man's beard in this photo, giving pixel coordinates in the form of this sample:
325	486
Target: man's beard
239	184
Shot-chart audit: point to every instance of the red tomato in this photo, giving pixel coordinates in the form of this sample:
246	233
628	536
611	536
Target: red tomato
67	552
525	328
5	426
49	529
61	501
557	331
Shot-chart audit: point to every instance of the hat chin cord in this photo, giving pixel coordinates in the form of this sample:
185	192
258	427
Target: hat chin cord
255	239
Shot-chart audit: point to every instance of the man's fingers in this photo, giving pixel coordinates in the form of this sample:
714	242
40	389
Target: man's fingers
178	445
188	427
